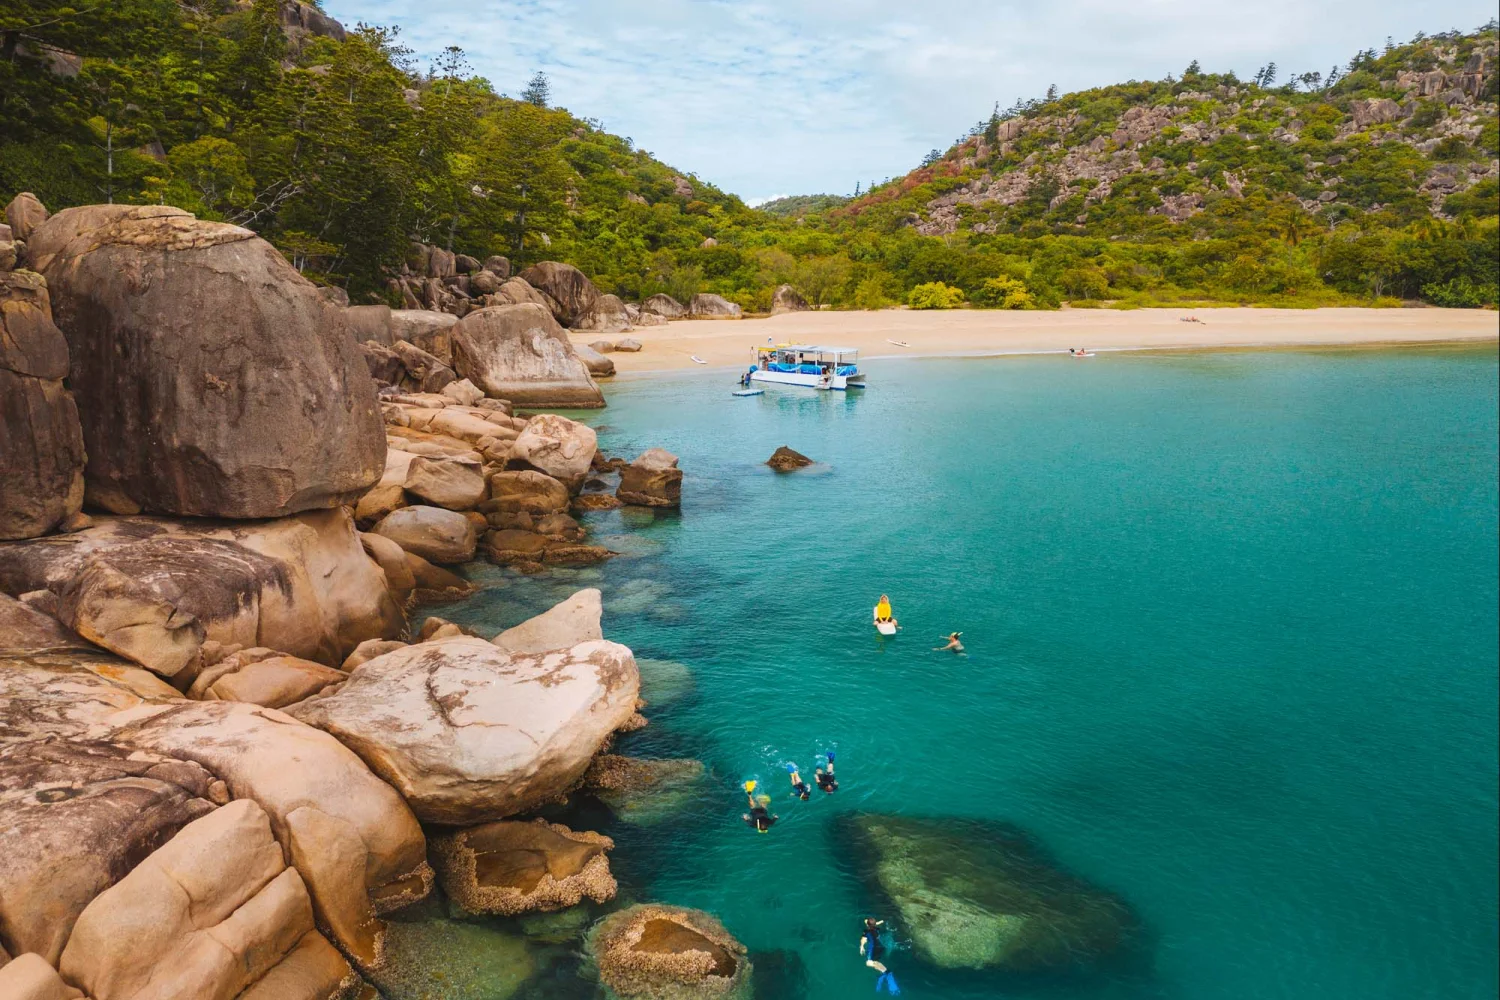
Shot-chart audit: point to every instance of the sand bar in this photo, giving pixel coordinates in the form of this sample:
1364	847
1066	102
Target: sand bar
724	343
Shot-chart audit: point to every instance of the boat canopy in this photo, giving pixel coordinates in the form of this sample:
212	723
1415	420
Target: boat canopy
810	349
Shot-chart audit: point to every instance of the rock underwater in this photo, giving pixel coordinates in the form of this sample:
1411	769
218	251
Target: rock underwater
975	894
657	952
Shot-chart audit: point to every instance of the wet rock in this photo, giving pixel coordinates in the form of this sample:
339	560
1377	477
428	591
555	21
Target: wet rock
563	449
596	501
563	626
205	915
469	733
519	353
263	677
75	816
510	868
652	480
664	681
356	844
654	951
785	459
981	895
154	590
665	306
644	792
435	534
708	306
570	293
41	442
211	378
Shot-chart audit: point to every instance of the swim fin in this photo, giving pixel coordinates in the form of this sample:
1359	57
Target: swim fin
887	982
749	787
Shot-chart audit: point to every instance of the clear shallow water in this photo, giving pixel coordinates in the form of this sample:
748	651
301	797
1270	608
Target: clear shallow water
1231	622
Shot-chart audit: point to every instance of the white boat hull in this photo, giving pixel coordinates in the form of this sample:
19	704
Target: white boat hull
840	382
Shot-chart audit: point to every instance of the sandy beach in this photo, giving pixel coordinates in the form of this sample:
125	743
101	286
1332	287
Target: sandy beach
725	343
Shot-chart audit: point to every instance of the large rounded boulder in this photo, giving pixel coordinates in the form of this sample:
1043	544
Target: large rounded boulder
212	378
469	733
519	353
569	292
41	443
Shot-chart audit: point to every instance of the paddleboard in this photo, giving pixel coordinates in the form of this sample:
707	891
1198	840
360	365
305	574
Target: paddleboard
749	392
697	359
885	628
898	343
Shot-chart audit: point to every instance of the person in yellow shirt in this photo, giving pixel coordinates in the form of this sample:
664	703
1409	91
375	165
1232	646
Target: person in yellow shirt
883	610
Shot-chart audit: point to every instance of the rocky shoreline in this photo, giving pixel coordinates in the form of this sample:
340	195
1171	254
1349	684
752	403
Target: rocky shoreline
231	747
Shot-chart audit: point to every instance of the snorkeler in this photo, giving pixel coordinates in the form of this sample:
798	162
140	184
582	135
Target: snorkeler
872	950
953	644
824	777
758	816
799	787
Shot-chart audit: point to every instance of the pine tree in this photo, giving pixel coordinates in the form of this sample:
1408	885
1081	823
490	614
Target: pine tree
538	91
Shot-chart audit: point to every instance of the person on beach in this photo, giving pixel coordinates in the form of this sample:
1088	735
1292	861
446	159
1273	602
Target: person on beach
799	787
758	816
953	644
824	777
872	950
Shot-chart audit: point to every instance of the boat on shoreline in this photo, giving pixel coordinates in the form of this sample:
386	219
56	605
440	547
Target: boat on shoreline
808	365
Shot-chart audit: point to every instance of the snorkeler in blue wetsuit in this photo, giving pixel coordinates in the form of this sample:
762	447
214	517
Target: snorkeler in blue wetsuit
799	787
872	950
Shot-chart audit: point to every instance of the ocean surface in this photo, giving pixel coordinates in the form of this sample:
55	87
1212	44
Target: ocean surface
1231	630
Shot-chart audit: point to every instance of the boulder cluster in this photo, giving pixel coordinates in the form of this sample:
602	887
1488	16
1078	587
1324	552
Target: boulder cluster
221	733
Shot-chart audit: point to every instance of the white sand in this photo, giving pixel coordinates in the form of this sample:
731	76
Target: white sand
980	332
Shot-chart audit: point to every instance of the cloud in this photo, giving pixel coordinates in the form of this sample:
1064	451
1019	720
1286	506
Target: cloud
774	95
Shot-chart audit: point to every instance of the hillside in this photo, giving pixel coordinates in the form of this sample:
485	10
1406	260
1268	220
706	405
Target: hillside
1374	185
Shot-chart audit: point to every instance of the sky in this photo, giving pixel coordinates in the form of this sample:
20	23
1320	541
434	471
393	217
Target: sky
780	97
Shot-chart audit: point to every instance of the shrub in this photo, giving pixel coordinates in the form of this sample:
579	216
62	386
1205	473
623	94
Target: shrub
1451	149
1458	293
870	294
935	295
1003	293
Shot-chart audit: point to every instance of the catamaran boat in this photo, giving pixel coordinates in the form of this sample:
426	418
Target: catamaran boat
808	365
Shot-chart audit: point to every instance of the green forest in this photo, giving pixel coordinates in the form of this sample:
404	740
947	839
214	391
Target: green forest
1372	185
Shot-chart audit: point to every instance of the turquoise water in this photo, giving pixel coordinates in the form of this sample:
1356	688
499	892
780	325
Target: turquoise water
1232	654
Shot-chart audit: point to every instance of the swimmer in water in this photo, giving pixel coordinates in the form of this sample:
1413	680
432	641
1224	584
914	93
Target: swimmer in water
799	787
824	777
758	816
953	644
872	950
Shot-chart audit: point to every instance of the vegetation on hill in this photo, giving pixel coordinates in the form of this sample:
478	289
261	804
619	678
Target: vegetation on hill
1378	181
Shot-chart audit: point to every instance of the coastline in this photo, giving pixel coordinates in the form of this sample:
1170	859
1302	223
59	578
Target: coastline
986	333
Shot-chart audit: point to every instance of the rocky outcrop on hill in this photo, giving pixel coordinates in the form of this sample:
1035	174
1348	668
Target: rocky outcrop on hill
41	442
652	951
570	294
521	354
470	733
509	868
786	299
154	591
201	319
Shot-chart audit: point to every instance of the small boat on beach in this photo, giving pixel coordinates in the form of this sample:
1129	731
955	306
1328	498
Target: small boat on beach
898	343
808	365
697	359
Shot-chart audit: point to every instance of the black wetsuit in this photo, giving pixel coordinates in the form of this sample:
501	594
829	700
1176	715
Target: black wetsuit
873	947
760	819
801	790
827	782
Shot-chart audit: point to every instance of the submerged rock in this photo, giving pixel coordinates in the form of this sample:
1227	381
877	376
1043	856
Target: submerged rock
664	681
785	459
644	792
470	733
982	895
508	868
656	952
436	959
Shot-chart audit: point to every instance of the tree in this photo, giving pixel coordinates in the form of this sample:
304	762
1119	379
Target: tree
1051	93
209	178
935	295
118	101
538	91
519	164
1266	76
